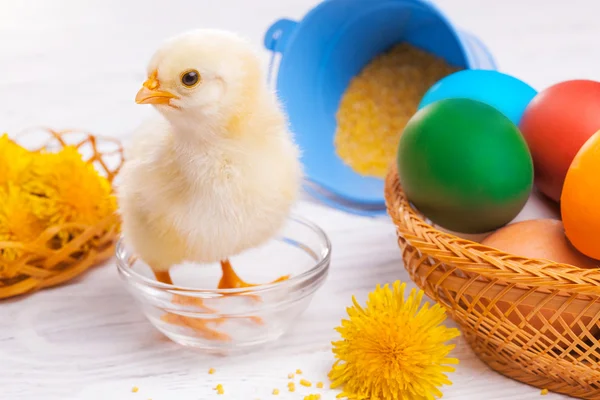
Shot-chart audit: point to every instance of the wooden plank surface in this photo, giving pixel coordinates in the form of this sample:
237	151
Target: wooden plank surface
78	64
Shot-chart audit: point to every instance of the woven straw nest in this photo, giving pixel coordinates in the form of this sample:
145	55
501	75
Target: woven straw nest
42	263
532	320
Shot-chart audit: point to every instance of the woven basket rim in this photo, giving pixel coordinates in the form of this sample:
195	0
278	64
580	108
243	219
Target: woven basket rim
58	134
551	274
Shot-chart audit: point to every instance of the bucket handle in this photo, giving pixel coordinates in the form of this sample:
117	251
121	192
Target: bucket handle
275	40
278	34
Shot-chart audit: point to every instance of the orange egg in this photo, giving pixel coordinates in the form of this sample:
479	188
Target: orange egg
580	199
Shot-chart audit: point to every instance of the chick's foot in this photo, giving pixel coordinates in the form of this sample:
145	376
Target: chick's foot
192	302
165	277
200	326
231	280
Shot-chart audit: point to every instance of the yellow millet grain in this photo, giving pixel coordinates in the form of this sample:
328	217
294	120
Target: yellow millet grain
275	391
313	397
378	103
220	389
544	392
320	385
298	371
306	383
291	387
290	376
211	371
135	389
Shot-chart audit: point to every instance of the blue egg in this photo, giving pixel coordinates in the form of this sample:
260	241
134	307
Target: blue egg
506	93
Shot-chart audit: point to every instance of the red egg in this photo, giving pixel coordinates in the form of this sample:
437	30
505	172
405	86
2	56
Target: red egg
556	123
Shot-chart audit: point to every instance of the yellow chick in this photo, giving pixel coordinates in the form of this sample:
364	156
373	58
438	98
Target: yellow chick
217	171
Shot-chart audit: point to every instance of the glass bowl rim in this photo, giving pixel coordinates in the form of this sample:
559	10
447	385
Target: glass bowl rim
320	266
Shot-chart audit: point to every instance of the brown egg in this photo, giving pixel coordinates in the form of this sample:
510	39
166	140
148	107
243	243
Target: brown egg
541	239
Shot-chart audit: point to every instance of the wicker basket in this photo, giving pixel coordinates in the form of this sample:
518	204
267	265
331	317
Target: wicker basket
532	320
43	264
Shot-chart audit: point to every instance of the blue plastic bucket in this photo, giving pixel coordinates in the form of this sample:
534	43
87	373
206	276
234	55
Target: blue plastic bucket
319	56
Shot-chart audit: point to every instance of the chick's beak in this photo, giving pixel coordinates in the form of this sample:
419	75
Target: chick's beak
151	94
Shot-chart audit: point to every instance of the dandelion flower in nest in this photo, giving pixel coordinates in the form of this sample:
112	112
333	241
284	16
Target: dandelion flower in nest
74	189
393	349
14	161
21	218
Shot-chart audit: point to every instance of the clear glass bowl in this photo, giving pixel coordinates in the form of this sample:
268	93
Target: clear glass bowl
197	314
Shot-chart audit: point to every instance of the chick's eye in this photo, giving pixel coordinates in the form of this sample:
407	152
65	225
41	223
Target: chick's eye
190	78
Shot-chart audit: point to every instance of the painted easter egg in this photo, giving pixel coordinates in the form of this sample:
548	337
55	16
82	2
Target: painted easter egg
580	199
506	93
464	165
556	123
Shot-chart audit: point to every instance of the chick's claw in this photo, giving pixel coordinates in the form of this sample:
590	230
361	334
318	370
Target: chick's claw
258	298
192	301
281	279
255	297
200	326
165	277
231	280
257	320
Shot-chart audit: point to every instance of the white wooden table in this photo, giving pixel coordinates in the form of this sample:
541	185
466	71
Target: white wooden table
78	64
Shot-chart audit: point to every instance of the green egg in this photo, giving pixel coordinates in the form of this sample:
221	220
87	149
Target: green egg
465	166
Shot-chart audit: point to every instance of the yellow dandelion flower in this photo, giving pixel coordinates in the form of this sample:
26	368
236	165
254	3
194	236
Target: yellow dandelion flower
393	349
14	161
21	217
76	192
